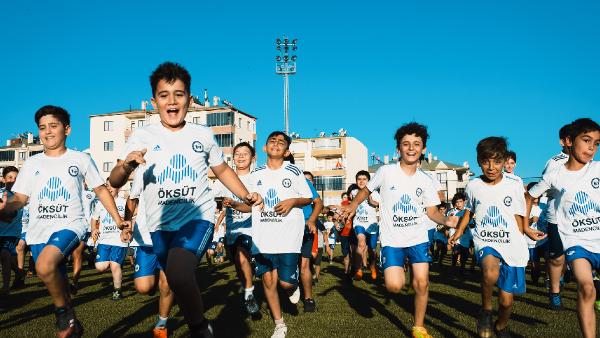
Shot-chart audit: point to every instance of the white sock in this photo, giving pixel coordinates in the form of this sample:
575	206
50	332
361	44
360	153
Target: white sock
162	322
279	321
248	292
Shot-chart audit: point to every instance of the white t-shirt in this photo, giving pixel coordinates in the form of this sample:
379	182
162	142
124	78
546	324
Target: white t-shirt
175	181
237	222
54	186
25	219
89	203
13	228
494	208
141	234
516	178
110	234
553	163
273	233
365	213
404	198
431	224
536	211
467	236
578	202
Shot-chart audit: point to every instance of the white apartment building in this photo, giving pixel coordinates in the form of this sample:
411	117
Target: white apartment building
19	149
333	160
109	132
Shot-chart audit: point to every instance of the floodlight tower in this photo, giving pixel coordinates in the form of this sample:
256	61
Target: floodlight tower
285	64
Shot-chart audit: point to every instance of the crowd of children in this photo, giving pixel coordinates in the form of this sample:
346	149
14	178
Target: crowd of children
271	223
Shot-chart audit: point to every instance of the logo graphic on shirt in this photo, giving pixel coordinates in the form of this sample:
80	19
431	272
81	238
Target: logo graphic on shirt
361	211
419	192
583	204
507	201
107	219
259	183
404	205
73	171
177	170
37	172
271	198
156	148
197	146
595	182
392	188
53	190
493	218
286	183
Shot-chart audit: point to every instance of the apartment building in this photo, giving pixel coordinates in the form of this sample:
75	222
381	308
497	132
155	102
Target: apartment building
19	149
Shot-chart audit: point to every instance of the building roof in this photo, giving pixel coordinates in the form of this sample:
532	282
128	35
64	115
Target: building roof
191	109
428	166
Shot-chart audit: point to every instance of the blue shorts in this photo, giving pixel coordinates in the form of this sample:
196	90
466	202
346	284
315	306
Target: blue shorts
576	252
85	237
9	243
538	252
555	246
242	241
111	253
23	234
65	240
308	241
345	241
430	234
371	234
146	263
391	256
194	237
511	279
286	265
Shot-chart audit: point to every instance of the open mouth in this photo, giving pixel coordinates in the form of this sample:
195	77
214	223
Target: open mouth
173	110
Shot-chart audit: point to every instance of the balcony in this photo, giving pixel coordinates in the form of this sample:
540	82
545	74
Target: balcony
326	147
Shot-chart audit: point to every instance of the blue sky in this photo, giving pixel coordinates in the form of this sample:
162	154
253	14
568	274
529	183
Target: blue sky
466	69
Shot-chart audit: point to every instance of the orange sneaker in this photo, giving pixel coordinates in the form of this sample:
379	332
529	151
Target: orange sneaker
374	273
420	332
159	332
358	274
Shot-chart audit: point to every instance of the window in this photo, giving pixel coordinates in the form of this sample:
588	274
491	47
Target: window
224	140
7	155
106	166
196	120
108	125
326	183
34	152
327	143
442	178
219	119
109	146
249	126
239	122
22	155
141	123
460	190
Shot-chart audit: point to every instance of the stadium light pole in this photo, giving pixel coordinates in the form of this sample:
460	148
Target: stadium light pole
285	65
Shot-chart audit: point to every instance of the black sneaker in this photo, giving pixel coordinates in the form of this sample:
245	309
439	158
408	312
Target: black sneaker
117	295
18	283
555	301
72	289
251	305
484	324
309	305
504	333
67	325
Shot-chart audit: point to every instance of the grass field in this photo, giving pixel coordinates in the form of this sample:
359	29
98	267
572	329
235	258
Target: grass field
360	309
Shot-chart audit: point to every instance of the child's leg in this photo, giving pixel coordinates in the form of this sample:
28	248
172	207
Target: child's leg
102	266
5	260
21	246
421	287
117	274
490	267
166	298
243	262
269	280
394	278
586	295
47	267
77	261
505	303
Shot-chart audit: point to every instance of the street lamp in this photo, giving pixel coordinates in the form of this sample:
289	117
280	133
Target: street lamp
286	65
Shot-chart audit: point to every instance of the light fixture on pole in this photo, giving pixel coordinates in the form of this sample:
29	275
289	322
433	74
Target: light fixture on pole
285	64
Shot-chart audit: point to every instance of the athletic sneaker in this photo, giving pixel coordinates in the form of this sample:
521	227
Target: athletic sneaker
295	297
116	295
484	324
373	272
67	325
160	332
280	331
72	290
420	332
504	333
251	305
309	305
358	274
555	301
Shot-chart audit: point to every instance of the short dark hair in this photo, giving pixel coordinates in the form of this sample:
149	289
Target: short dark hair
247	145
344	193
170	72
363	173
60	113
352	187
530	185
458	196
511	154
409	129
9	170
582	126
492	147
330	213
312	177
290	158
280	133
563	132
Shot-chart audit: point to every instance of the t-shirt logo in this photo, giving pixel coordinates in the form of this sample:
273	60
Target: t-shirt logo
259	182
419	192
361	210
286	183
493	218
177	170
73	171
107	219
404	205
595	182
197	146
507	201
583	204
392	188
53	190
271	198
37	172
156	148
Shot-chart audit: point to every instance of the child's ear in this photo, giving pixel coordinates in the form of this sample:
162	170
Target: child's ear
265	148
67	130
424	151
153	102
287	153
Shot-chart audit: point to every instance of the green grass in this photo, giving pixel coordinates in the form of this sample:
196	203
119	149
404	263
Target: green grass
363	309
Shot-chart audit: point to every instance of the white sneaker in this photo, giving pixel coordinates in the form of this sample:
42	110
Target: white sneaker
280	331
295	297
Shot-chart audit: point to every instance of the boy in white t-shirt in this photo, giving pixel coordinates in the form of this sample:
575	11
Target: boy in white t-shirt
537	249
331	230
366	228
408	197
111	250
179	205
497	204
578	213
10	231
52	183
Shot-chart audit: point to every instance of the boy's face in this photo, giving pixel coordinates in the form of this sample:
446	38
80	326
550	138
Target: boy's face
53	133
9	179
411	149
509	165
362	181
277	147
242	158
172	102
442	210
492	167
344	197
459	204
585	146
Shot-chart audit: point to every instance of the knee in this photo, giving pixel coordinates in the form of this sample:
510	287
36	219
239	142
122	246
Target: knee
505	301
101	267
143	287
587	290
21	247
420	285
557	262
394	287
44	269
163	288
304	265
287	286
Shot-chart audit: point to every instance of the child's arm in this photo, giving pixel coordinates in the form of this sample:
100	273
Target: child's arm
311	222
435	215
241	207
520	222
534	234
284	207
121	172
232	182
109	204
349	210
219	221
9	206
462	225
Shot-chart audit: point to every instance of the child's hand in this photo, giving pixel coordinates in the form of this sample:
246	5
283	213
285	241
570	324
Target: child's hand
284	207
228	202
348	211
135	158
126	236
3	200
95	235
452	221
535	234
254	199
312	227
